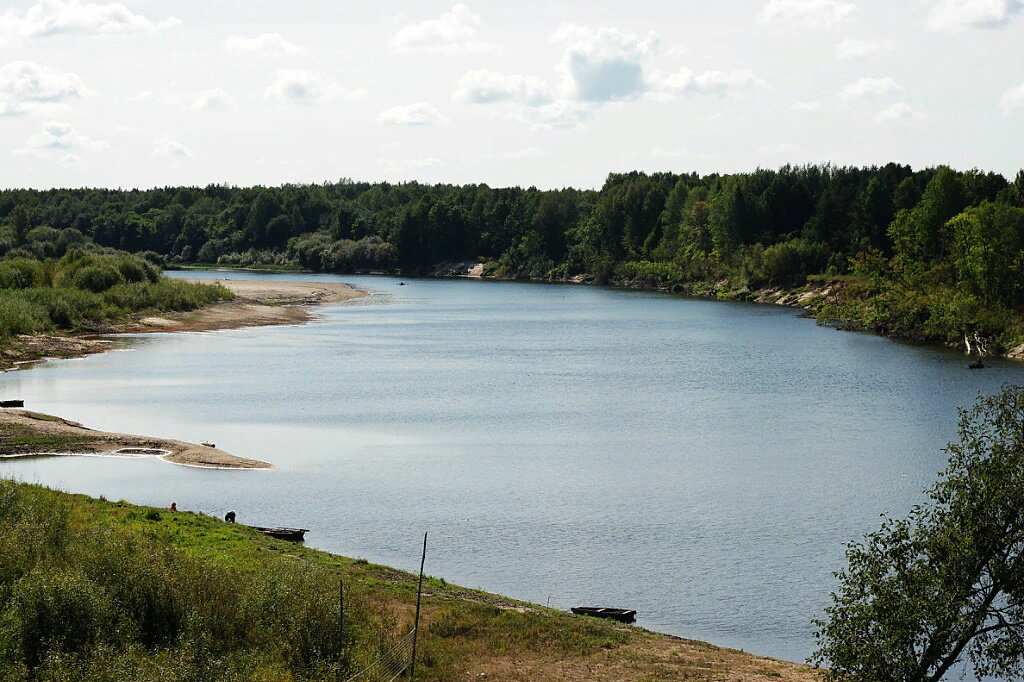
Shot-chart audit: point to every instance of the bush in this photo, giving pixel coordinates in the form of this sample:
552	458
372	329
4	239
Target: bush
158	260
137	270
19	316
18	273
97	278
112	600
54	610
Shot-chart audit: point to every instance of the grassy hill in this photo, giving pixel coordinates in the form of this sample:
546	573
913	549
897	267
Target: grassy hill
93	590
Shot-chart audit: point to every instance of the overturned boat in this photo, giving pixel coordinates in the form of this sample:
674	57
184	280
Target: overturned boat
290	534
621	615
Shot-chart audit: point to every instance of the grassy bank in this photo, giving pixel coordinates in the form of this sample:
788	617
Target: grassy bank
92	590
86	292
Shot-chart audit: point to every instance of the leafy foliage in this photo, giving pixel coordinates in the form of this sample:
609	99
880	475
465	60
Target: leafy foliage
945	584
84	289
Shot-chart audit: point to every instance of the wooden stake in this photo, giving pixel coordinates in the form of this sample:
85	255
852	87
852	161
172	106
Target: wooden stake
419	596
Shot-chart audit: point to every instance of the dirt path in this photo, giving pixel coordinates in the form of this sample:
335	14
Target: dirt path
24	433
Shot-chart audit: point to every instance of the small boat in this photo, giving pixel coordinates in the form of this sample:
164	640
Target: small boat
12	403
209	445
291	534
621	615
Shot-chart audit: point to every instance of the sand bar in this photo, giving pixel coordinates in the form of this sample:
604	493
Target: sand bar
26	433
257	302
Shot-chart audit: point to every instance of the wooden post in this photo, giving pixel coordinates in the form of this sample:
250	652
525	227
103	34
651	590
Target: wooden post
416	625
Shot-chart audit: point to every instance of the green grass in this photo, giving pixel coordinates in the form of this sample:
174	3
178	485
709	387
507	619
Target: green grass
97	590
83	291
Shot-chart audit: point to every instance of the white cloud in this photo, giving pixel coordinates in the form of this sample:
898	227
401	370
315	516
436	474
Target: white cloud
900	111
779	149
405	165
22	82
484	87
454	32
264	43
417	114
199	100
559	114
866	87
604	64
307	87
11	109
72	17
169	148
71	161
57	135
809	105
852	48
527	153
810	13
207	100
735	83
953	15
1012	99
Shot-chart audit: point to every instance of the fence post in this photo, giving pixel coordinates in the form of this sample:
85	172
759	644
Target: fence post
416	625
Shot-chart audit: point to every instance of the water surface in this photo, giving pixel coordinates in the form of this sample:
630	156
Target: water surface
701	462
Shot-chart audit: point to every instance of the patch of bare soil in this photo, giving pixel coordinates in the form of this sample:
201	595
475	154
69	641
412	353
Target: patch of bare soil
658	657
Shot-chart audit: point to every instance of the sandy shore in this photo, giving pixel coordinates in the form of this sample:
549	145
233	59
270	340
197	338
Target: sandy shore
256	303
25	433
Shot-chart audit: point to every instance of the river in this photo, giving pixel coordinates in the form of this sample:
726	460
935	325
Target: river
701	462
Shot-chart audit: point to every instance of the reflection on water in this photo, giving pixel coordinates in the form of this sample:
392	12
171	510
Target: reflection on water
700	462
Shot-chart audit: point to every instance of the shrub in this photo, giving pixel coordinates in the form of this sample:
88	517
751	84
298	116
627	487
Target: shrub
18	273
54	610
97	278
19	316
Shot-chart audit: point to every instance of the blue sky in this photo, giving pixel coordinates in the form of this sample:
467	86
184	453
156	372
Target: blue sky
549	93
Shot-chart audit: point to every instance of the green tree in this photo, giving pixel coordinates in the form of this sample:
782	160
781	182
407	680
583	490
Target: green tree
20	224
988	241
918	235
946	584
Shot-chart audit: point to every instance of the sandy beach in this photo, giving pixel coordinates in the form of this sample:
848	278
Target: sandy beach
257	303
25	433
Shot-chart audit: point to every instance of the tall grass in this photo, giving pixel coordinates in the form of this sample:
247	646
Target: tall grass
82	290
100	601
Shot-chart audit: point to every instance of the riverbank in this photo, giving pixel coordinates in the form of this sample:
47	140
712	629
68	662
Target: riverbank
837	300
28	434
256	303
180	557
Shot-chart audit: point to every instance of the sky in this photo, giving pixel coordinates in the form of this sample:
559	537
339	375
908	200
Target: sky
548	94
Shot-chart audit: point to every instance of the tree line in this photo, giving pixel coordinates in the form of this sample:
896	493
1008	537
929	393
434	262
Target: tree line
932	254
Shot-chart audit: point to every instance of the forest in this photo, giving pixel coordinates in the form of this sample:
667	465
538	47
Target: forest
930	255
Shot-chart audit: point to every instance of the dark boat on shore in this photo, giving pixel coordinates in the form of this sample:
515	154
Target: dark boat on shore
621	615
290	534
12	403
